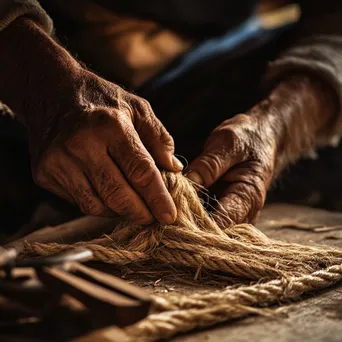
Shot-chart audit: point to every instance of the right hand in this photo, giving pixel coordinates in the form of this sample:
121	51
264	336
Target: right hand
95	144
102	152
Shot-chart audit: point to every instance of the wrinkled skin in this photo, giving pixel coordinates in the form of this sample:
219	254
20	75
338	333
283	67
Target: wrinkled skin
91	142
107	161
244	154
101	147
237	154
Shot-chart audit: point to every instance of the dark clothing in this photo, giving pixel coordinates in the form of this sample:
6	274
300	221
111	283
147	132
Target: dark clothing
196	18
204	18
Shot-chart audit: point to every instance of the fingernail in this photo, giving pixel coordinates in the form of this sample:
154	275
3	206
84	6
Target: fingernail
167	218
177	164
195	177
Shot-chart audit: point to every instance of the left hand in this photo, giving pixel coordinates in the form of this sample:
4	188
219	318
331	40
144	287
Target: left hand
241	154
248	151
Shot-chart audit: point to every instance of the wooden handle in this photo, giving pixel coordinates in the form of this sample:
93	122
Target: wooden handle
84	228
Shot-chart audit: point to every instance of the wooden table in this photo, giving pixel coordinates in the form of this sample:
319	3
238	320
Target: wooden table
316	318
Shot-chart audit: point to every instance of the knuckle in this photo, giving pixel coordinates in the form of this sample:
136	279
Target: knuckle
46	165
123	205
51	156
233	139
110	194
243	121
142	173
87	202
159	132
143	104
237	133
75	144
39	177
127	111
103	116
213	164
242	118
103	177
226	140
141	107
116	199
118	118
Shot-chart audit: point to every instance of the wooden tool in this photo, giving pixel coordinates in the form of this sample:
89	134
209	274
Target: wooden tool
83	228
42	285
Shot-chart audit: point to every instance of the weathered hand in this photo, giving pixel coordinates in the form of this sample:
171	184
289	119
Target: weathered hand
248	151
99	146
240	153
91	142
102	152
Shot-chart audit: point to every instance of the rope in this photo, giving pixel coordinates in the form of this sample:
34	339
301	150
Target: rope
198	242
184	313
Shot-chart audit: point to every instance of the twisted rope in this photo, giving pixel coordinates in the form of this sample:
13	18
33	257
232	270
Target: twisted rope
184	313
197	241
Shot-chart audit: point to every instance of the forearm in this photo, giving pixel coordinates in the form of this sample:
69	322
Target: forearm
248	151
317	51
297	112
30	59
81	128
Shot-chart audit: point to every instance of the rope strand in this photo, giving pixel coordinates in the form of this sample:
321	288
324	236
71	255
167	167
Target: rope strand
198	242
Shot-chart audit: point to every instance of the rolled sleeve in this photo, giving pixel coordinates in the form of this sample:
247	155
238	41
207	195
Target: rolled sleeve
11	10
318	51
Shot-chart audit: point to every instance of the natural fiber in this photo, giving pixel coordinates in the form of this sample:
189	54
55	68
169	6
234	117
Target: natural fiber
283	270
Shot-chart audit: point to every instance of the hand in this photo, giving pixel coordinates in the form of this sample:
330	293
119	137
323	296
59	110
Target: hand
241	154
91	142
102	154
247	152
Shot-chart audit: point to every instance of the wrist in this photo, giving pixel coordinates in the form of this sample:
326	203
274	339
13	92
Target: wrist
32	66
295	112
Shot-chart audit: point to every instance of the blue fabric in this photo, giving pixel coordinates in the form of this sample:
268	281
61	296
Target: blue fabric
247	37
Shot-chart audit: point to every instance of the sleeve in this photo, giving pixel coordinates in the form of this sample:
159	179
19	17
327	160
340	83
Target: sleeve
10	10
317	50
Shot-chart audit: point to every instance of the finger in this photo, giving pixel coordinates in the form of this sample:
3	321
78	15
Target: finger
156	138
141	172
107	179
52	185
211	165
243	199
73	179
46	178
234	206
114	190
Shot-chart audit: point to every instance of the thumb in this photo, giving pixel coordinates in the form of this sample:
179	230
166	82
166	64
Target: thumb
209	167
